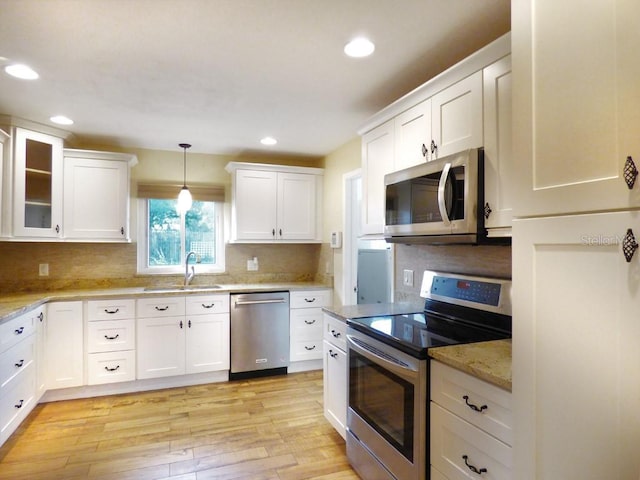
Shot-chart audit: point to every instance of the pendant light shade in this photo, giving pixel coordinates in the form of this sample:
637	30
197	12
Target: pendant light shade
184	198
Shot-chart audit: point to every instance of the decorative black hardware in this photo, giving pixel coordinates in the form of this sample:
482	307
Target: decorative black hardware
57	228
434	147
487	210
310	348
19	405
476	470
629	245
162	309
425	150
332	354
181	324
19	364
273	232
211	305
111	312
112	338
19	331
310	322
280	231
112	369
335	334
473	407
41	316
122	230
630	172
189	323
310	300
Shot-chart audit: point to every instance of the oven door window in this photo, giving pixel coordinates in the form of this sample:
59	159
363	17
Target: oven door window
384	400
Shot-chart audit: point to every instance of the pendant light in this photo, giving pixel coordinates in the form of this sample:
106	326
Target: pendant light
184	198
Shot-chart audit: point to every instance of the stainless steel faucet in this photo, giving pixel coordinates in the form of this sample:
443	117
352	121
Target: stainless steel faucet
188	275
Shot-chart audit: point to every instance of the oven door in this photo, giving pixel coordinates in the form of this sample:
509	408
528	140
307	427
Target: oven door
387	409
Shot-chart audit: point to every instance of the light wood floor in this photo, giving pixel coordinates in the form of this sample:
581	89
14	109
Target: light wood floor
260	429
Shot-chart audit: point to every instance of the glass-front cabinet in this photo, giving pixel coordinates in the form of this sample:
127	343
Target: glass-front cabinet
37	209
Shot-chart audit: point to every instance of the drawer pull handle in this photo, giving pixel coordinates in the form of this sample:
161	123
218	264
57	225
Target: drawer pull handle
41	316
162	309
476	470
112	338
473	407
111	312
630	173
211	305
19	405
112	369
333	354
18	331
313	347
335	334
19	364
310	300
310	322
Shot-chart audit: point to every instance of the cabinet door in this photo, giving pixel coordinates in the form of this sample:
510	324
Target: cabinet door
37	200
207	343
576	105
255	205
96	199
335	387
377	161
413	136
456	116
576	348
498	162
64	351
160	347
296	206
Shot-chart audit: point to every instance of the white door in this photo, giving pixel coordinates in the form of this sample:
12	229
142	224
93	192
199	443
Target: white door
207	346
160	347
456	117
576	104
64	351
576	348
296	206
413	136
255	205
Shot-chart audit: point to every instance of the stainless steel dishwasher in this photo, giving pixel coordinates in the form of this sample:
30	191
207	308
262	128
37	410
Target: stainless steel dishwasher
259	334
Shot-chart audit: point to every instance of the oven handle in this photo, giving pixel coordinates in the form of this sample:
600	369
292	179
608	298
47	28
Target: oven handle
442	185
388	361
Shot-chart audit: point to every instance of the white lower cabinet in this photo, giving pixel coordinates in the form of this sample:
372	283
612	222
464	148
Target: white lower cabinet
335	373
470	427
63	345
305	322
207	334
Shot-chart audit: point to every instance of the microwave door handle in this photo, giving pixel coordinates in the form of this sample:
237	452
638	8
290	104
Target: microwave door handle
442	185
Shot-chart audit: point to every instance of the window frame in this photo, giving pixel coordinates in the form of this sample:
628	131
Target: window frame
143	244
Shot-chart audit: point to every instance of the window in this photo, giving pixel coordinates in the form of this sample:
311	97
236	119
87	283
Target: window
166	236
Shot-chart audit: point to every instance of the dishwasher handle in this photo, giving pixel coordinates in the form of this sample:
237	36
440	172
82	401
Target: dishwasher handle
260	302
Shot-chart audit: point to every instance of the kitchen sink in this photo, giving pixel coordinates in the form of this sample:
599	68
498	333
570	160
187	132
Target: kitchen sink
190	288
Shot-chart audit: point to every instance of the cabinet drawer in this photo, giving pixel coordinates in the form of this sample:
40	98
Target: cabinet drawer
453	439
310	298
111	367
460	392
160	307
110	309
204	304
306	350
16	329
335	331
306	324
17	402
111	335
14	362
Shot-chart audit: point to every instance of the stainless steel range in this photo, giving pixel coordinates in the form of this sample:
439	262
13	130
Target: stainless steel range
387	415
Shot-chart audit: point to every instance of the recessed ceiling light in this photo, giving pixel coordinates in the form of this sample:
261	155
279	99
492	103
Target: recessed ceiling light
61	120
268	141
21	71
359	47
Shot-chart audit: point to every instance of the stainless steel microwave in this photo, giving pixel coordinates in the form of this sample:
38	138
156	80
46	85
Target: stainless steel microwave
438	201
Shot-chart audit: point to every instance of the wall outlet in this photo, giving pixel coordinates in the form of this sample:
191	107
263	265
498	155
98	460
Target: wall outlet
43	269
407	278
252	264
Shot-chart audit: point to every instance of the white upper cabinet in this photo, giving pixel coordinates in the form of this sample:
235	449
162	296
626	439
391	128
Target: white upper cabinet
37	183
96	195
456	117
273	203
577	105
498	161
413	136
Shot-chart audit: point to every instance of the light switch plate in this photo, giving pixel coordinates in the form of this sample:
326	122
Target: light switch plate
407	278
43	269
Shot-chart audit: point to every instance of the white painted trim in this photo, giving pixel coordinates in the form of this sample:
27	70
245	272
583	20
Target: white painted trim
350	237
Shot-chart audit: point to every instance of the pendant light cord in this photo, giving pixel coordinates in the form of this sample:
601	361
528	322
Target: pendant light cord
184	146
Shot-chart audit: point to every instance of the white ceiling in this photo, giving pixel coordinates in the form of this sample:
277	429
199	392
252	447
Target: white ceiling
221	74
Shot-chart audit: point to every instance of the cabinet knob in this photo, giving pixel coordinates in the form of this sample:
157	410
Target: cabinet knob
425	150
629	245
434	147
273	232
57	228
41	316
122	230
630	172
487	210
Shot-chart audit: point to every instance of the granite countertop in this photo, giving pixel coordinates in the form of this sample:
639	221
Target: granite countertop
15	304
489	361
